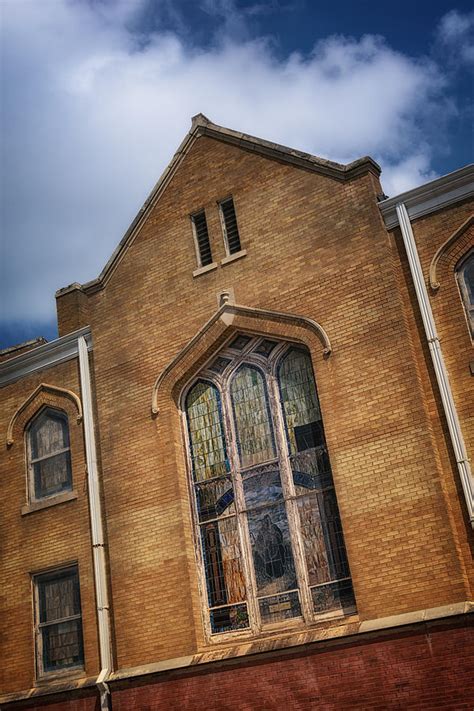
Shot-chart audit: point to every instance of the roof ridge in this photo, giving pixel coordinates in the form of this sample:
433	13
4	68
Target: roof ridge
201	125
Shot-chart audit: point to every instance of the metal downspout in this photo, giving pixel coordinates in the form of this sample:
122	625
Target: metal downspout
97	530
457	440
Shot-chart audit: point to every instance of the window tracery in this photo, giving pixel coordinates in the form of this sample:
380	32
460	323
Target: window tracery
272	545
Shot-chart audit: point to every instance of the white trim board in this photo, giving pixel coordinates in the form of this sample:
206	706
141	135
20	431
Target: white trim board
58	351
432	196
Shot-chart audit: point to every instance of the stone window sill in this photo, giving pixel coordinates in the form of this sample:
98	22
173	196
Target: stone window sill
234	257
46	503
204	270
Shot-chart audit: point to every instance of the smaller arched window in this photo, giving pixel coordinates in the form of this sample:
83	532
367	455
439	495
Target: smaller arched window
465	275
49	454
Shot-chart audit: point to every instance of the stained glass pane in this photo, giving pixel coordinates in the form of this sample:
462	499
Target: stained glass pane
252	418
240	342
300	402
52	475
262	485
323	541
311	470
271	549
335	596
208	449
265	347
215	498
222	562
219	364
62	645
229	619
48	434
280	607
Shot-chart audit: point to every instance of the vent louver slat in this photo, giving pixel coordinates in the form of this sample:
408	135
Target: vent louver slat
231	229
202	238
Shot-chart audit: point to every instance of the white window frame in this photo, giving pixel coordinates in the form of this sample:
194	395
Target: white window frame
30	461
269	367
41	673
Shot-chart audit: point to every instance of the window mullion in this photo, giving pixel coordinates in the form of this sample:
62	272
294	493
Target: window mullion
289	494
244	536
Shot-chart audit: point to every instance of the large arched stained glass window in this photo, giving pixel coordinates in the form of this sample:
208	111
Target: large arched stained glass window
269	528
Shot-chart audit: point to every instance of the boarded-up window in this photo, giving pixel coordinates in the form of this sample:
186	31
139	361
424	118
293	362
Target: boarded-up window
58	621
49	454
229	226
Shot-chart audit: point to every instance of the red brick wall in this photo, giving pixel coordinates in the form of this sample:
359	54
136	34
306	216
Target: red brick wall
427	668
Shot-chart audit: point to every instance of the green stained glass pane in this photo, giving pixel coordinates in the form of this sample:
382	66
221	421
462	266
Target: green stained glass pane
300	402
208	451
252	418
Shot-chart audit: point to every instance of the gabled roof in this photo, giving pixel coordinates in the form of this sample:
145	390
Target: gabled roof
201	126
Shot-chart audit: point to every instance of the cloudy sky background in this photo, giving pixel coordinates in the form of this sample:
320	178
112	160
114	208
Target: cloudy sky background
98	94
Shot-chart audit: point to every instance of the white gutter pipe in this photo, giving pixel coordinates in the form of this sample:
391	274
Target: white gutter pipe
457	440
97	530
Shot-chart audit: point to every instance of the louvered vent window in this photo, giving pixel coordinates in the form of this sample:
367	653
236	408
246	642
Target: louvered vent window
229	225
201	235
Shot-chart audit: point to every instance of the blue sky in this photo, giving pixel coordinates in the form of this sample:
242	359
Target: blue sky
98	94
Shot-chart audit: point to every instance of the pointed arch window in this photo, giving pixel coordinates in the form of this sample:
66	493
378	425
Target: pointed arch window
49	454
465	276
269	531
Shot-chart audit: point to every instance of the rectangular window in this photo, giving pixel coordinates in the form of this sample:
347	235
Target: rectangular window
201	237
229	226
58	621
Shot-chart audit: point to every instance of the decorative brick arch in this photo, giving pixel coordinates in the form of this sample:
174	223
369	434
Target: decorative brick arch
227	320
451	252
44	395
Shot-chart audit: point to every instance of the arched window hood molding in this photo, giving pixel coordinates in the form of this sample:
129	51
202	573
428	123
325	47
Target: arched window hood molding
226	314
434	283
43	387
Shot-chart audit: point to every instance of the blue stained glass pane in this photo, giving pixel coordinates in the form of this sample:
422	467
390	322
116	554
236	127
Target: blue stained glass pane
208	450
229	619
271	549
252	417
215	498
262	485
311	470
334	596
280	607
300	402
265	347
240	342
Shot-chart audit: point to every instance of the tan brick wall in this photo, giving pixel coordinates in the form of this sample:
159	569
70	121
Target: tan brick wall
316	247
42	539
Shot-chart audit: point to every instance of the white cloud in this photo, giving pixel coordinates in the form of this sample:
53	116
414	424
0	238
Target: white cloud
456	33
96	110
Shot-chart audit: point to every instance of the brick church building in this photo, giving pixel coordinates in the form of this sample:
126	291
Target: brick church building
240	477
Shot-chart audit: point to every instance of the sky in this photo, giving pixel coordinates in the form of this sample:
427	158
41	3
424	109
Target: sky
96	95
